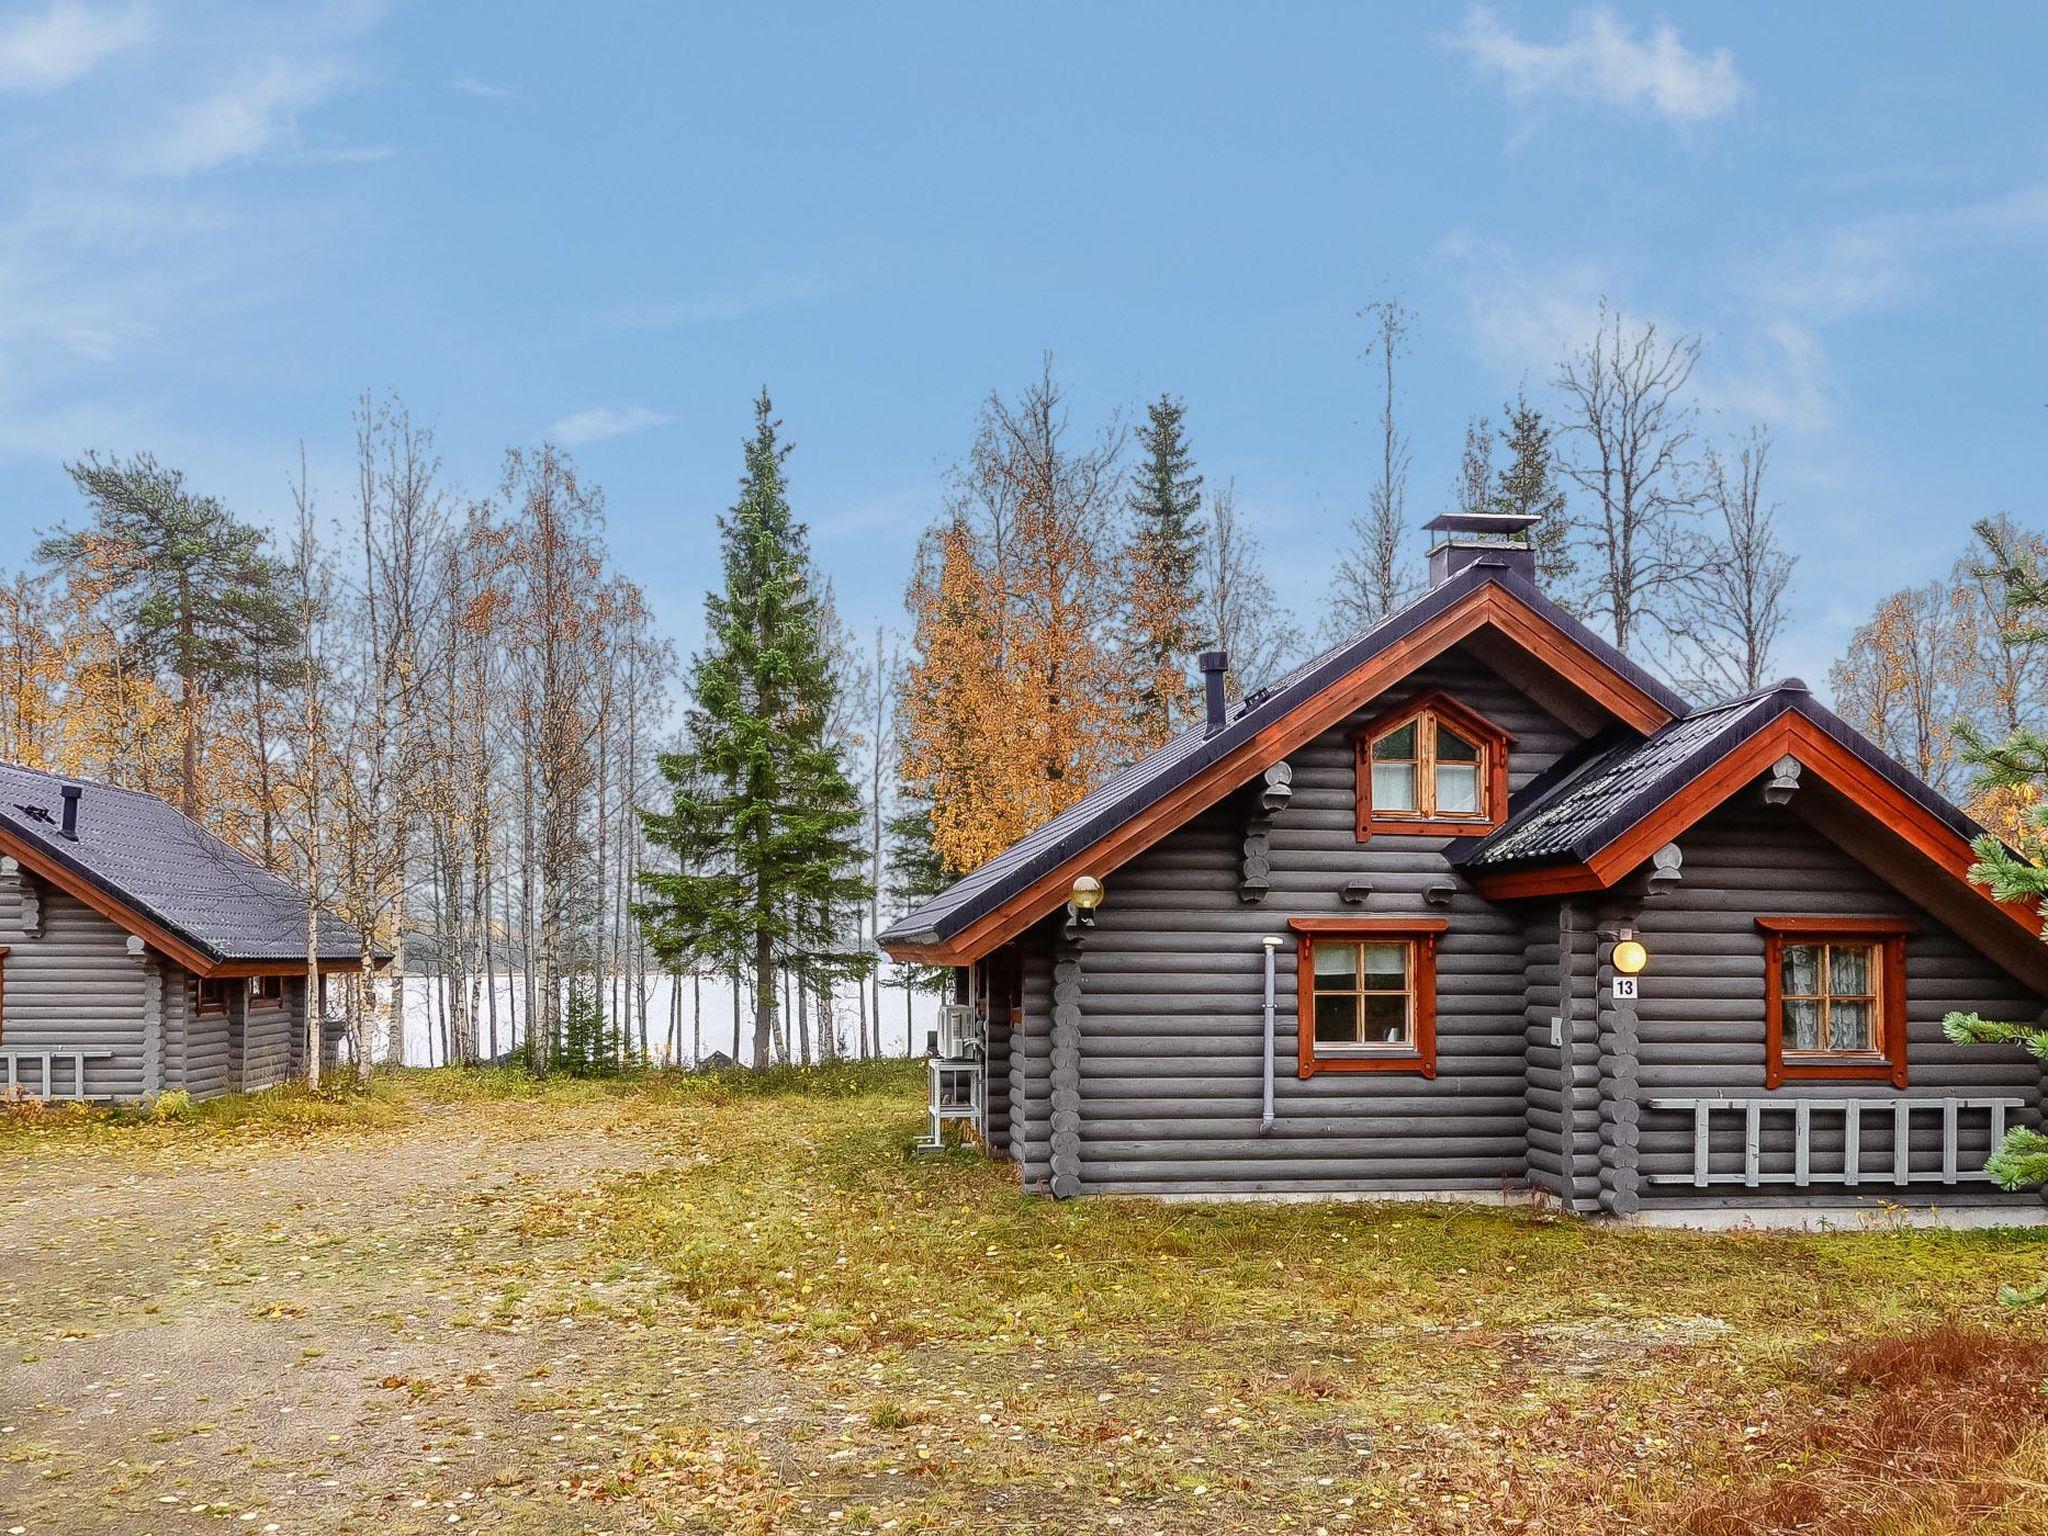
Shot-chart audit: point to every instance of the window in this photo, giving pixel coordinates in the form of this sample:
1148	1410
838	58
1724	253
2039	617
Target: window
267	992
213	994
1835	999
1366	994
1432	766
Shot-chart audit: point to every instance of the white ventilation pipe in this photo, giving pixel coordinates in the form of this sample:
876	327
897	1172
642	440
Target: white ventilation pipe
1272	942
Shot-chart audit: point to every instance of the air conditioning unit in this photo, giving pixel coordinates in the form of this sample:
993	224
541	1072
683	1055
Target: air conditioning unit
959	1031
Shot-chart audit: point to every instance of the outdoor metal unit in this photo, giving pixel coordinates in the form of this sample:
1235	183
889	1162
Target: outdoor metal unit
959	1074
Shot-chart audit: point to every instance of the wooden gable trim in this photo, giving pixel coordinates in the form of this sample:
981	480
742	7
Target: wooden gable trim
118	912
1790	734
1486	606
112	908
1491	739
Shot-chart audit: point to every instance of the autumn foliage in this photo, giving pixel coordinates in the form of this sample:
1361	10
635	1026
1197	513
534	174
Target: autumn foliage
1015	701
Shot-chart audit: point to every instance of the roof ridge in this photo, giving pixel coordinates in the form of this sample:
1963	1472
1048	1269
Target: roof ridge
1784	685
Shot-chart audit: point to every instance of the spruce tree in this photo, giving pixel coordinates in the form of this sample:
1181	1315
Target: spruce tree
763	819
1530	485
1163	600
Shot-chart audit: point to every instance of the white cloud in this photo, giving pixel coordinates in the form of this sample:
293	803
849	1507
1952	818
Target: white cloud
52	48
1521	320
1601	63
469	85
596	425
1880	263
243	120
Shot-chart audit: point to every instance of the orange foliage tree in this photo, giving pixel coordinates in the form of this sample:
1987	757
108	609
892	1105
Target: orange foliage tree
1014	703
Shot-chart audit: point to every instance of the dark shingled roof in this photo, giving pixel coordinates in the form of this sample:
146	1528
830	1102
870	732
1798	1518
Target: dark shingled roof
150	857
1126	794
1593	796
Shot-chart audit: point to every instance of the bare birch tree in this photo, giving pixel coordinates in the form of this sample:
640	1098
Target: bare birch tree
1738	608
1372	578
1244	613
1629	428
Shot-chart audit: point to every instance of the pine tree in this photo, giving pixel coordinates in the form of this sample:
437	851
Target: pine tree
1163	569
2017	767
194	592
1529	485
763	820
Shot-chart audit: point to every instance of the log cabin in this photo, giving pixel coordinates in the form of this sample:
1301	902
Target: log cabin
140	954
1473	907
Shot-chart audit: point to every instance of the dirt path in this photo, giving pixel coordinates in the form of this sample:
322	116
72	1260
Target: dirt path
295	1337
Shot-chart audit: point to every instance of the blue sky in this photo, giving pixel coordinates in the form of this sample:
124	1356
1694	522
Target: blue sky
219	224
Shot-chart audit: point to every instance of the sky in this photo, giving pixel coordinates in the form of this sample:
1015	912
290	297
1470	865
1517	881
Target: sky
612	225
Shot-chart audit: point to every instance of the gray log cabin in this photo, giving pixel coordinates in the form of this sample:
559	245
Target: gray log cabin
1358	934
139	953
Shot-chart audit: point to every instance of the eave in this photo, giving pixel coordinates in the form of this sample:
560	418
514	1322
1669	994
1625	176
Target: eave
1807	742
186	949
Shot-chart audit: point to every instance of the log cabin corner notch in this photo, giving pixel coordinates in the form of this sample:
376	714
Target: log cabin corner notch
1467	1030
191	954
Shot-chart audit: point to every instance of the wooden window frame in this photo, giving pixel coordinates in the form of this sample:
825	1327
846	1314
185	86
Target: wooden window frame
1887	1061
1420	934
258	1002
199	1002
1493	743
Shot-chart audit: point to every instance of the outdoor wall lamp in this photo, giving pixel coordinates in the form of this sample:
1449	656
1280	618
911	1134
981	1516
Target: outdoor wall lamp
1629	955
1083	899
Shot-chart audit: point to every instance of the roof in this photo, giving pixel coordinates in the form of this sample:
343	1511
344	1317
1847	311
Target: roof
149	867
1145	784
1590	798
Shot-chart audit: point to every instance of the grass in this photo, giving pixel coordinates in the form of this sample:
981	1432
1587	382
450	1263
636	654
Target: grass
738	1303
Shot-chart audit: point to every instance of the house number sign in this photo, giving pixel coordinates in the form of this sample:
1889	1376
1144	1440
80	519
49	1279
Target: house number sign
1625	988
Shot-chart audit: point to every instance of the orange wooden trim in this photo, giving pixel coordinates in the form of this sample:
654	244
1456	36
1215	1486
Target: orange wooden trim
1551	880
1398	927
1801	738
114	910
1890	1060
1487	605
1421	933
1491	740
1829	927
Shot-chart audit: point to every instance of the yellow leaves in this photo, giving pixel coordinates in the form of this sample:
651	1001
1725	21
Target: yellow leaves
1013	710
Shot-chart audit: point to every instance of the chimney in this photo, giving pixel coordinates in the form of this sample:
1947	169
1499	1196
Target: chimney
71	792
1215	665
1465	539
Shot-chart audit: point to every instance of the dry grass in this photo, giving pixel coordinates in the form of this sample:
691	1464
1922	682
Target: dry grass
1942	1429
713	1305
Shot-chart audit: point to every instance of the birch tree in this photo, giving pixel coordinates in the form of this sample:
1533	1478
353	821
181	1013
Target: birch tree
1629	429
1372	577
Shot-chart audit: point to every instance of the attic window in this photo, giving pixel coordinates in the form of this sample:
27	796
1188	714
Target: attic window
1434	767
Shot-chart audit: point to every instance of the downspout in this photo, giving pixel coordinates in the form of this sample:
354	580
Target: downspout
1567	1067
1266	1083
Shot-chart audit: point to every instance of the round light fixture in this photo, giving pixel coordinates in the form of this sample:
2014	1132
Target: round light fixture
1630	957
1086	894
